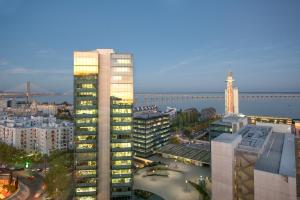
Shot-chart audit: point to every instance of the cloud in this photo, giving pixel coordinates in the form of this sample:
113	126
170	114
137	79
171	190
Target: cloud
3	62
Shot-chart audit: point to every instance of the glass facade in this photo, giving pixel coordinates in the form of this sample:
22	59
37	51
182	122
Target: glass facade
151	131
85	105
87	176
121	126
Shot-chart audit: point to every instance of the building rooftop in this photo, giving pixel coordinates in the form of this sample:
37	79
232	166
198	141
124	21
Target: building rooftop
226	138
253	137
288	163
270	158
279	155
37	122
148	115
192	151
228	120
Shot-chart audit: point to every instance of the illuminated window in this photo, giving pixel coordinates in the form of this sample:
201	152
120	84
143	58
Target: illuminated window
116	78
86	146
85	137
86	189
85	70
87	94
121	154
121	180
121	111
121	145
121	119
86	120
87	128
86	111
92	163
121	128
121	162
121	171
121	69
87	86
86	198
86	172
123	61
86	103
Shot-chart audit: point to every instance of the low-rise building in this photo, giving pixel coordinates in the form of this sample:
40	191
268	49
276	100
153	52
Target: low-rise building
228	124
151	130
172	112
37	134
196	154
254	163
253	119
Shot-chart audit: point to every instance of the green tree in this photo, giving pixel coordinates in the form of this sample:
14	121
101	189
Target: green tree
187	132
58	179
174	140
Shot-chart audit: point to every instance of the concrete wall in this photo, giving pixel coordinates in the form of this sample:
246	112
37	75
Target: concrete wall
222	167
278	128
269	186
104	124
236	100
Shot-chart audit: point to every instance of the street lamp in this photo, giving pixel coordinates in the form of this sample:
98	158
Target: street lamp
186	184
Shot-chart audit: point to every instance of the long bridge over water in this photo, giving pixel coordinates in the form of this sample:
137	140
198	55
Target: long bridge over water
168	98
155	98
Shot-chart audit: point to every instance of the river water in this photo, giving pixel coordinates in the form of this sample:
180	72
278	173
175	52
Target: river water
281	107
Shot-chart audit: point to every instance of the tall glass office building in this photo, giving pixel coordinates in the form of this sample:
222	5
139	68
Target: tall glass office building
103	100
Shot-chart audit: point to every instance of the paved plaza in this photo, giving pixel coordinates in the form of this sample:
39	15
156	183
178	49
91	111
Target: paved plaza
173	187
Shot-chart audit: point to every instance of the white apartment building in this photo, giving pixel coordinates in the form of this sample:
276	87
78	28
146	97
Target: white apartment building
37	134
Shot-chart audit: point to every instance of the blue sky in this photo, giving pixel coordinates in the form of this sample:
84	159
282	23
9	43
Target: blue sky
178	45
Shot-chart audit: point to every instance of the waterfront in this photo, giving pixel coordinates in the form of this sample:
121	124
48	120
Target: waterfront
283	107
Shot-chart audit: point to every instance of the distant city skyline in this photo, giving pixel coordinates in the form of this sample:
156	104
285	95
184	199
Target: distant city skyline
178	45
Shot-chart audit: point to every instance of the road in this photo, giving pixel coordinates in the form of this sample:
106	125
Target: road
35	185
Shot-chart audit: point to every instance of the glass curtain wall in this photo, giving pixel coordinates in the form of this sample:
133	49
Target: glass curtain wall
86	65
121	126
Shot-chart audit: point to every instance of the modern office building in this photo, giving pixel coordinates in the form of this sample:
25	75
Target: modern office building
228	124
231	96
256	163
103	102
151	130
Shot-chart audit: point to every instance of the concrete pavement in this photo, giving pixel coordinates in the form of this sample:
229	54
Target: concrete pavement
173	187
